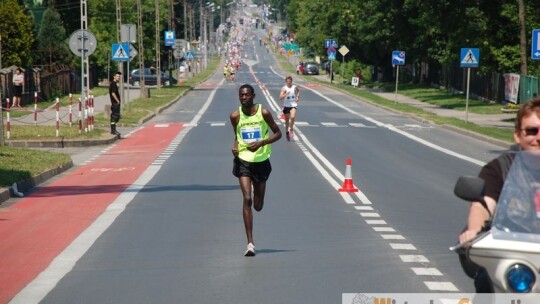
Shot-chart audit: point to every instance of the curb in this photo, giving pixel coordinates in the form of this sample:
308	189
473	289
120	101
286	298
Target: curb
26	185
61	143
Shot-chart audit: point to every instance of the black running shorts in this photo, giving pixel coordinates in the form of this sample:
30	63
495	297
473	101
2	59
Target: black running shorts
287	110
259	172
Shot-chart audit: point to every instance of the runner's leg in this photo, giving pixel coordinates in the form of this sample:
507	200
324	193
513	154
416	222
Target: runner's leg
292	119
259	190
245	186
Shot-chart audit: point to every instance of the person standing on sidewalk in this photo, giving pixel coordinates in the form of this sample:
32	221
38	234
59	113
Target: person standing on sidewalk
115	103
18	82
290	94
251	150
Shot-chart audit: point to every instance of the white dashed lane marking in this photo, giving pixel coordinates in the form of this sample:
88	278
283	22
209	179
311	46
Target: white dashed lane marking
426	271
369	214
384	229
441	286
413	259
376	222
392	236
400	246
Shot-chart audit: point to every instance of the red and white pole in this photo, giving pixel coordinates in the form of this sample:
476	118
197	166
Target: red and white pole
80	116
35	108
85	114
57	116
70	109
8	122
91	112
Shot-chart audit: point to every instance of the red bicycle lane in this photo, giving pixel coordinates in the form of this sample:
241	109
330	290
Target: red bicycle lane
39	227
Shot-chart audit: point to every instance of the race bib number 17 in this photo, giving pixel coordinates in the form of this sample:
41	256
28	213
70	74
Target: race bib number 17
250	135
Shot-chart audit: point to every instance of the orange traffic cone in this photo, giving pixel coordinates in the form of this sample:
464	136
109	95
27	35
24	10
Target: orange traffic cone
348	185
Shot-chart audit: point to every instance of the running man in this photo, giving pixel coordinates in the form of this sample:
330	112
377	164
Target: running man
225	71
251	150
290	94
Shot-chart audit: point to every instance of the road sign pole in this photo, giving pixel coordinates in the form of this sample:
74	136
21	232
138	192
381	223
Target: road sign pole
467	96
342	67
331	71
127	85
397	80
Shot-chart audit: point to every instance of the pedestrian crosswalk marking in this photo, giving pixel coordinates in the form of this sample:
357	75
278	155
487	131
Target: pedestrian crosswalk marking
360	125
325	124
331	124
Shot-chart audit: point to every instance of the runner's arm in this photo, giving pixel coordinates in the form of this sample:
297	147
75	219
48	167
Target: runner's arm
282	93
235	116
273	126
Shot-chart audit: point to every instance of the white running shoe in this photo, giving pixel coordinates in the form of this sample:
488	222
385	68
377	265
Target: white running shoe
250	250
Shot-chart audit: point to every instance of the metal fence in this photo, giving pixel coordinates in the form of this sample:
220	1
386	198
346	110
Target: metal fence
55	82
486	86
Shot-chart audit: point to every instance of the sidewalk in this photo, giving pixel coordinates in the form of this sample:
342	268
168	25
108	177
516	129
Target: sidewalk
47	117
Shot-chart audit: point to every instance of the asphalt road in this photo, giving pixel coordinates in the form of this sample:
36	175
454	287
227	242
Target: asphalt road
180	238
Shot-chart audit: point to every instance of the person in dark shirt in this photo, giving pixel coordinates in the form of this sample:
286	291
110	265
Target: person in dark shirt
527	137
115	103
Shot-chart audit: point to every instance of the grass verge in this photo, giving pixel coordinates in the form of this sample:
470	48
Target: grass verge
19	164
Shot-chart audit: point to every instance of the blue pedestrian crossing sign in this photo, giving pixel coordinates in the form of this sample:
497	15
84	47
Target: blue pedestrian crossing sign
332	55
120	52
470	57
190	55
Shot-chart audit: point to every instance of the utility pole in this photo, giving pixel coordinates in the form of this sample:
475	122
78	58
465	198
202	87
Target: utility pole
85	69
172	27
141	48
119	39
202	32
186	25
158	59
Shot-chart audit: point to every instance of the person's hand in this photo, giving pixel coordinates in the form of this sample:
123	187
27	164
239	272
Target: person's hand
254	146
467	235
235	150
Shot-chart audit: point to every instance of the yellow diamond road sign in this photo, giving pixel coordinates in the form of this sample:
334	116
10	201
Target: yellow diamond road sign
343	50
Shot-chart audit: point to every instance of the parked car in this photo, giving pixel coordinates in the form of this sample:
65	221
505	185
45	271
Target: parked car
150	77
311	68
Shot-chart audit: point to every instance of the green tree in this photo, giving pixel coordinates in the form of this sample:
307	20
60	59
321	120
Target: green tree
70	13
16	29
52	39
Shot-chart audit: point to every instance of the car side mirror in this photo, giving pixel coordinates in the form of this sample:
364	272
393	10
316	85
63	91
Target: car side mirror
470	188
